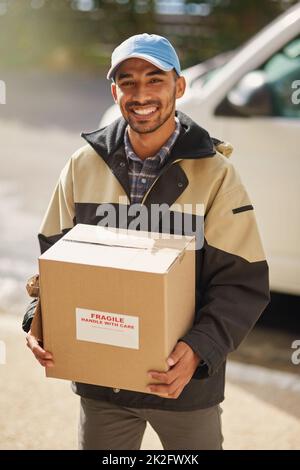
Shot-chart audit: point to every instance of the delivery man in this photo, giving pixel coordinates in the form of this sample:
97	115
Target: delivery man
155	154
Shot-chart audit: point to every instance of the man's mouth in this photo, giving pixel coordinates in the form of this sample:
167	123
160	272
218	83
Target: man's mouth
145	111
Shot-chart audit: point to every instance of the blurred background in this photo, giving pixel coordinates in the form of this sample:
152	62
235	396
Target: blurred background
54	55
81	34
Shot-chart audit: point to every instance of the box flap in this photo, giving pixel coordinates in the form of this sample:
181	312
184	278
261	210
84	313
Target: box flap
124	237
118	248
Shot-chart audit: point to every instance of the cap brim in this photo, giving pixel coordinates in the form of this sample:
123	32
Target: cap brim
159	64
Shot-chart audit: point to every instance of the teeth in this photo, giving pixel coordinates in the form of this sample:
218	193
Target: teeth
145	111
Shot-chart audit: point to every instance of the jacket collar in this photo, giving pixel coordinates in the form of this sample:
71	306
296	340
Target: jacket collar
193	141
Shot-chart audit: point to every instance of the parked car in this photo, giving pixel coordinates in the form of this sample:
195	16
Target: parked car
251	98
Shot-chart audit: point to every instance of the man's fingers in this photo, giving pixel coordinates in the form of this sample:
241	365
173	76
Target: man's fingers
38	351
177	354
45	363
165	389
169	376
164	377
175	394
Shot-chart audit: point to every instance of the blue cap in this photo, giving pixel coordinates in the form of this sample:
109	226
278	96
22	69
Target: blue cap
153	48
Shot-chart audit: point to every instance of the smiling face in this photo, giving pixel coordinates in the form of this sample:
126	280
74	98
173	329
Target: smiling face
146	94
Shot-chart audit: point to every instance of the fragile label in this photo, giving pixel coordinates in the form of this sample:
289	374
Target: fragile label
115	329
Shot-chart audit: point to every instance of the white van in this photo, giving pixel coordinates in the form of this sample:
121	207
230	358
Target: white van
251	98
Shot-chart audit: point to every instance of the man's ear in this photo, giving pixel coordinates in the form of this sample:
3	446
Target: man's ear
180	86
114	92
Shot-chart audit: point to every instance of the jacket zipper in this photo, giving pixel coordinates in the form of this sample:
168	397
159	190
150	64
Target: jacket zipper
157	178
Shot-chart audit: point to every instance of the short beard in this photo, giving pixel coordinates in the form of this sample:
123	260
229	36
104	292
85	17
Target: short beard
156	126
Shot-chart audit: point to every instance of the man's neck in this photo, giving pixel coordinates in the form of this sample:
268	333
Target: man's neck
147	145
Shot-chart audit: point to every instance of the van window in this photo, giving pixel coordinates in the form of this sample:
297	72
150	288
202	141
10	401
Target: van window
282	79
282	70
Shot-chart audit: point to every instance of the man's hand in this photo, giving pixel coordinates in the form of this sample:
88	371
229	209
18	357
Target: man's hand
183	361
45	358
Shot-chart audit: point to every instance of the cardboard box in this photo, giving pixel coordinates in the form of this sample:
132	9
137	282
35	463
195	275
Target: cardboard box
114	303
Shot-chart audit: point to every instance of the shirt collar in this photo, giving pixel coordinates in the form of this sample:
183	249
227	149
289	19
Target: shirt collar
163	151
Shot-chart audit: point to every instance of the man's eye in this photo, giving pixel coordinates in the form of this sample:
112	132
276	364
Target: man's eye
155	80
127	83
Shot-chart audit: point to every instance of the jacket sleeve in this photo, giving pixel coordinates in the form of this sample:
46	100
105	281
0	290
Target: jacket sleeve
58	220
60	214
232	282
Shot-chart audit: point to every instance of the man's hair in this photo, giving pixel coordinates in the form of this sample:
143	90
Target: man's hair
175	74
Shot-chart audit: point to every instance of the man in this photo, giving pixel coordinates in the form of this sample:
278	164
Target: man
154	154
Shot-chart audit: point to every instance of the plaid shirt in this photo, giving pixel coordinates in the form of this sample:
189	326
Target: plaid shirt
142	173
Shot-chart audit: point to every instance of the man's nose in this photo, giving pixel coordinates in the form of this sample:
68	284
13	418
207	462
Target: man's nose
140	94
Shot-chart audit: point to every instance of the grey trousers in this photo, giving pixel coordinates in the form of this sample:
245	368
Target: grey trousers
108	426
